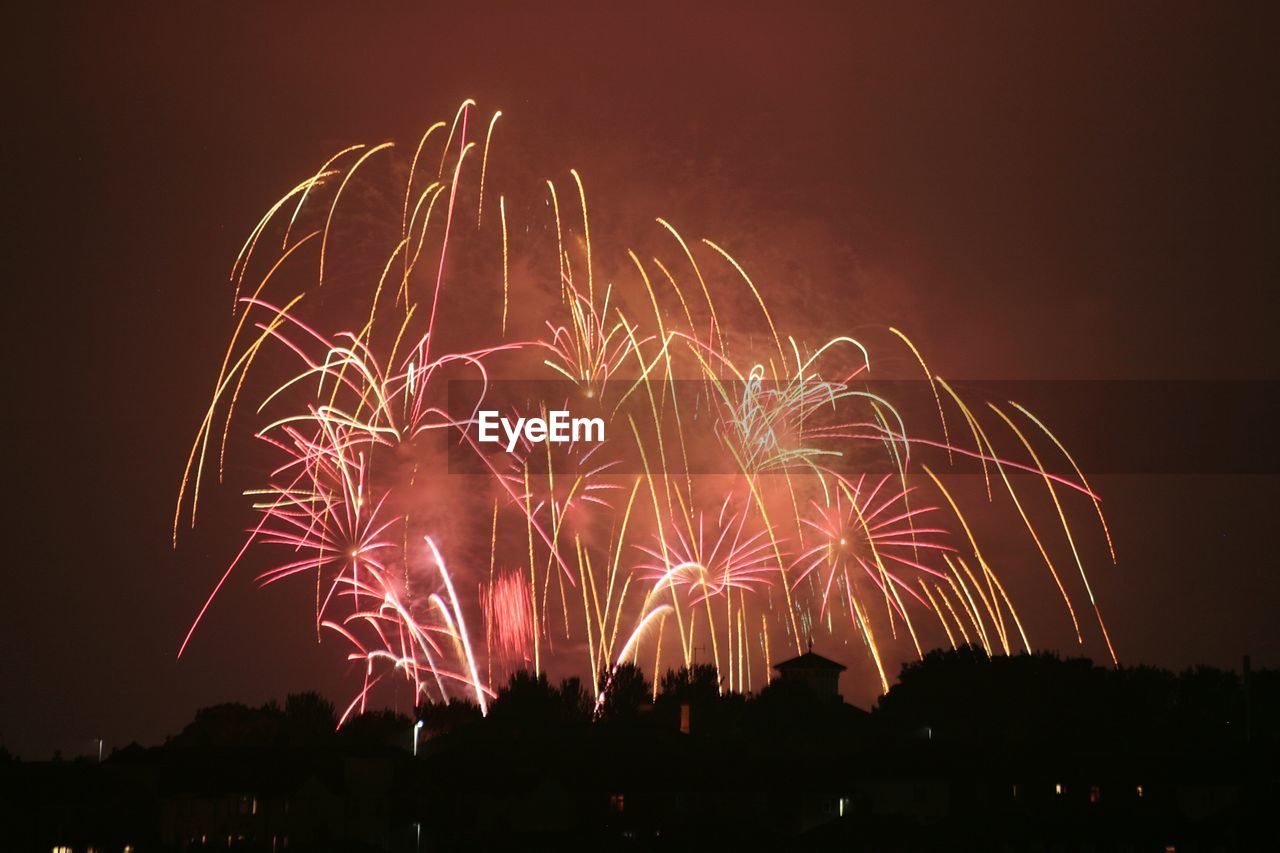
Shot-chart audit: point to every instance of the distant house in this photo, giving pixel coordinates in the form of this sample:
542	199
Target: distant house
820	675
278	801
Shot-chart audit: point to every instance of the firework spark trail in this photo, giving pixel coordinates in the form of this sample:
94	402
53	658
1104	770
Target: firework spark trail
586	563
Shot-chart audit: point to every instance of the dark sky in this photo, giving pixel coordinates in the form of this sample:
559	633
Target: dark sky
1070	191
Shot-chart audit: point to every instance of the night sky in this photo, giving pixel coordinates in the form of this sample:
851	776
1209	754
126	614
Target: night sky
1071	192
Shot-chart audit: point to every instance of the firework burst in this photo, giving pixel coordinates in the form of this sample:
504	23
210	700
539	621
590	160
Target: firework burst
820	512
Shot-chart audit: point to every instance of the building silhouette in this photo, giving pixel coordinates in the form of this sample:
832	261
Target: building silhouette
820	675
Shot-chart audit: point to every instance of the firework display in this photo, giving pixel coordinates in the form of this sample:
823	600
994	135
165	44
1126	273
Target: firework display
754	492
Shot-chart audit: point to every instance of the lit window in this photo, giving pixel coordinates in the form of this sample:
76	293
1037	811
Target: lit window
1095	794
1139	792
1057	789
617	802
62	850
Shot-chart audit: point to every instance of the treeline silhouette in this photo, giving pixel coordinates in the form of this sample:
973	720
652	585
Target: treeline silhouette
964	751
966	696
961	696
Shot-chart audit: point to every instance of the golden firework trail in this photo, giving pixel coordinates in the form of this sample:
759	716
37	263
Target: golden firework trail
746	499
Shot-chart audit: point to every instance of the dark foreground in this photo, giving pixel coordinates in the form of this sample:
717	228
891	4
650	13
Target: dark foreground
965	753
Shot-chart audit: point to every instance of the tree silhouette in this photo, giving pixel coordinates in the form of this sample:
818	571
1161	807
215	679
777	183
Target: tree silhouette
441	718
528	701
378	728
232	724
699	683
625	691
576	703
309	717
